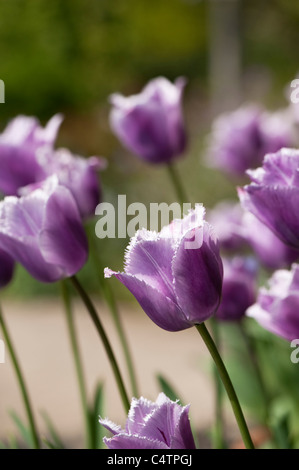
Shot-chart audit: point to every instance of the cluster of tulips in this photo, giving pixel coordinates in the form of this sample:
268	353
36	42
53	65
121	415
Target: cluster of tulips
49	195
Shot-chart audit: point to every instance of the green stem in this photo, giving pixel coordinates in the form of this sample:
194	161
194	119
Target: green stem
201	328
78	364
21	382
111	302
94	316
177	183
219	439
249	342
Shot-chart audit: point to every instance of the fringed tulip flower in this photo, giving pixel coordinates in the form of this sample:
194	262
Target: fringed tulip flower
239	287
240	139
7	265
43	231
277	307
163	424
150	124
175	275
18	145
273	195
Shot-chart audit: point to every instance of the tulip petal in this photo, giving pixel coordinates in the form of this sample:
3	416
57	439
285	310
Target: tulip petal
276	208
63	241
127	441
182	437
160	309
198	274
139	410
150	260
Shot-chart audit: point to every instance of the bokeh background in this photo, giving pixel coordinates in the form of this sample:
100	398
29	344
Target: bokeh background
68	56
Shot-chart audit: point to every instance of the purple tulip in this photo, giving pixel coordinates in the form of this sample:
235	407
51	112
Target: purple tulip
226	218
277	308
273	195
150	124
43	231
270	250
6	268
239	140
163	424
239	288
18	145
79	175
175	275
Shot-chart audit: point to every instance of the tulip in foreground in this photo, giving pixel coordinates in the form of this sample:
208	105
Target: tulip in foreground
43	231
277	307
273	195
163	424
150	124
175	275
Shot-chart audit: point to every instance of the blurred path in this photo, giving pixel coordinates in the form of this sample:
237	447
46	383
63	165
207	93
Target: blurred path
38	329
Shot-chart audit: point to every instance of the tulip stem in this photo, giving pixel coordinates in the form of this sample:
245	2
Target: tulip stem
208	340
100	329
177	183
21	381
77	359
111	302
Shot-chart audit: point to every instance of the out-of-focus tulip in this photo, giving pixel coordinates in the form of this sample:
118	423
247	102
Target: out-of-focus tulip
18	145
239	140
277	308
239	287
273	195
150	124
43	231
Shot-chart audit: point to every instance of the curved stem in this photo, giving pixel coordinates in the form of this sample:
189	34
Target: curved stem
111	302
21	382
78	364
177	183
94	316
201	328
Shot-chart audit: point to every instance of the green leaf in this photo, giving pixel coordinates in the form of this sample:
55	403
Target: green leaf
96	412
57	442
24	431
168	389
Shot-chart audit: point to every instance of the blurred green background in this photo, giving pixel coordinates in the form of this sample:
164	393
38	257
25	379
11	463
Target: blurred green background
69	55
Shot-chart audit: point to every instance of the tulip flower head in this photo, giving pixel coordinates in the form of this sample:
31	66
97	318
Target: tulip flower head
240	139
18	145
176	274
273	195
150	124
43	231
276	308
163	424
